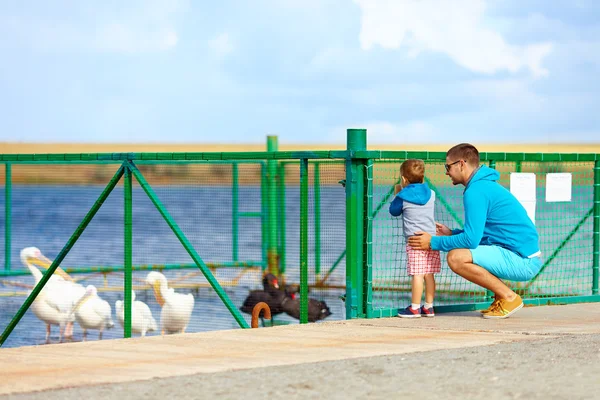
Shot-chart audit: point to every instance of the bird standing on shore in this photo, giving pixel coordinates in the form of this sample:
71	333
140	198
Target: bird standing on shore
92	312
176	307
142	320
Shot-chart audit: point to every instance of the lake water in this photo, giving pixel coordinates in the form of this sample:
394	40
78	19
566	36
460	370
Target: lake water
46	216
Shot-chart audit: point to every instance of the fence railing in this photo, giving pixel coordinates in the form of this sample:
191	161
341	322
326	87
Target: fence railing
215	223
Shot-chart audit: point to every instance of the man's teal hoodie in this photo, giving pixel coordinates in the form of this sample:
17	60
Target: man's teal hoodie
493	216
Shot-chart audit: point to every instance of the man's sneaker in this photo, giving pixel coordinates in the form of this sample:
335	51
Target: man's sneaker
504	308
427	312
490	308
408	312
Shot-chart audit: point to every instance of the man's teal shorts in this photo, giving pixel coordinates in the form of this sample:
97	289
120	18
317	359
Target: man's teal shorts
505	264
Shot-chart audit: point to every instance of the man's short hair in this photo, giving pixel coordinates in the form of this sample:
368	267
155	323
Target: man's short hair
464	151
413	170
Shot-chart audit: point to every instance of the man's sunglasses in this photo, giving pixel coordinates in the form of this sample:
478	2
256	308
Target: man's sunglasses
447	166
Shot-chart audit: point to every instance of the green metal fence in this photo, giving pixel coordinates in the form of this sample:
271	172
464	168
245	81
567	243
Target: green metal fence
569	235
214	223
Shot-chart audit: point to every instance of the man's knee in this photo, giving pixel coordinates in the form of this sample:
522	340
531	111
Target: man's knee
457	258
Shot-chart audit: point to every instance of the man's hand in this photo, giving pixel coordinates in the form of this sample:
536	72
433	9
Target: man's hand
442	230
421	241
397	189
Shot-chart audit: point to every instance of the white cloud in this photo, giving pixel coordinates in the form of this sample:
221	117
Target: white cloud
456	28
221	44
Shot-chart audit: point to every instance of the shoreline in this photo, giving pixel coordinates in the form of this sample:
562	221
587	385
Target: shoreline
60	148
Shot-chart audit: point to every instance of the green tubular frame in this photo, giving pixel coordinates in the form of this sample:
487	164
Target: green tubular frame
7	215
488	293
264	215
368	237
127	169
272	259
596	232
144	267
282	217
360	214
61	255
355	224
235	213
128	278
188	246
317	213
304	241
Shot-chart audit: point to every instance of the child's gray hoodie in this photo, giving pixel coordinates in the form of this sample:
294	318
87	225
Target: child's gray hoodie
415	203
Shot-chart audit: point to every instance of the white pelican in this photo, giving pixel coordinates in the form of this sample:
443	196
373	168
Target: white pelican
91	312
176	307
33	255
70	291
49	306
142	320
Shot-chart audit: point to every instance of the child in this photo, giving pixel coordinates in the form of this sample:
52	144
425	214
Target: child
415	201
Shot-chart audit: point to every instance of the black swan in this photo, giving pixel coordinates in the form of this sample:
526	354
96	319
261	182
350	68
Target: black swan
317	310
271	294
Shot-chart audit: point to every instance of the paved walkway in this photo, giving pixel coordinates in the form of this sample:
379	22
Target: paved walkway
36	368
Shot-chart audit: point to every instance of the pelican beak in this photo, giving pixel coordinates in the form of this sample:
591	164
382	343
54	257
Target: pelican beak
45	263
156	288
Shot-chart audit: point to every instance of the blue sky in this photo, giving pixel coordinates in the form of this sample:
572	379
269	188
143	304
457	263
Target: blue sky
410	71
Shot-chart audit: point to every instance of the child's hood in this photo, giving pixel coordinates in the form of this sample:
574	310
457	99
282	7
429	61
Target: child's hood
416	193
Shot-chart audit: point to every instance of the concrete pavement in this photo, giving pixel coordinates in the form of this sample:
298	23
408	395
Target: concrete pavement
36	368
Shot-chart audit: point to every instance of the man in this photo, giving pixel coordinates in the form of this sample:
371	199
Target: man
499	240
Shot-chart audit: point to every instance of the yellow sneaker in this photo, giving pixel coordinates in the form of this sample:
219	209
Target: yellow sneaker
490	308
504	308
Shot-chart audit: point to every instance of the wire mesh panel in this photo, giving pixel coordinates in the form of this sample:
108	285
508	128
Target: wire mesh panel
391	282
217	210
565	230
202	203
48	204
326	235
204	233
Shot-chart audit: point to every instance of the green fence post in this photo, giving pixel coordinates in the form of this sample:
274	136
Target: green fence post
488	293
127	286
282	216
263	215
356	139
304	241
596	234
272	262
317	210
234	210
7	215
368	244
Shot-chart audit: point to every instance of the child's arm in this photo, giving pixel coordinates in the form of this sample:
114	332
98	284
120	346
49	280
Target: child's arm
442	230
397	203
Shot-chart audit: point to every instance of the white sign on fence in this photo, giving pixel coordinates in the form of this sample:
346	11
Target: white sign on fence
522	186
558	187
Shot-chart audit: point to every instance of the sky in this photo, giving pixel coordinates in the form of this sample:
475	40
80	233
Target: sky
409	71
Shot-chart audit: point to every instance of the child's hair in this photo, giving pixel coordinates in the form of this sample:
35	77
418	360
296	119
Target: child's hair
413	170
